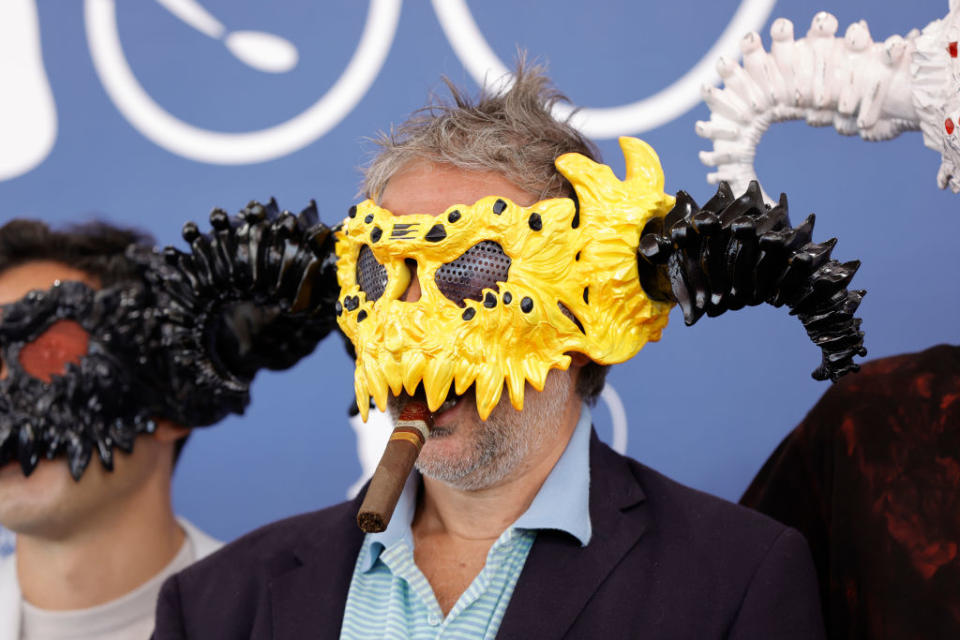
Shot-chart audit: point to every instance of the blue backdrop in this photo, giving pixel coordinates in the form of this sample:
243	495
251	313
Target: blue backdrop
706	405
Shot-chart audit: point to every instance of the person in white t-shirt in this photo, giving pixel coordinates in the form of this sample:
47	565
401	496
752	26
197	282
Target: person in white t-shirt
93	545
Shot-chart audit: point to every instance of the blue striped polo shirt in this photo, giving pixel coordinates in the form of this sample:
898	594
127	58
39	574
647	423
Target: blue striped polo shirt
389	596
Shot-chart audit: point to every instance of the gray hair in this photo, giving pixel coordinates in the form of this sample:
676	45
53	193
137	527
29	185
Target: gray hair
511	133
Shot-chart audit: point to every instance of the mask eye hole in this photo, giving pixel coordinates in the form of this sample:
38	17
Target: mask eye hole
48	355
480	267
371	275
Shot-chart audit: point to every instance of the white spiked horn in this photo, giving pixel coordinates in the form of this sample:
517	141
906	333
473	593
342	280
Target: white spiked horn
875	90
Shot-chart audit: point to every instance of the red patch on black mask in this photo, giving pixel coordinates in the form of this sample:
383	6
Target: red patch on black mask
64	342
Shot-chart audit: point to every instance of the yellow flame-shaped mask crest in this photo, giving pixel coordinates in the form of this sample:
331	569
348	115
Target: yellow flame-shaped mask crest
562	263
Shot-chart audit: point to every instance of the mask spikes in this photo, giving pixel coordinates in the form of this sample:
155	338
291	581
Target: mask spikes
394	374
376	383
413	364
464	375
536	372
363	394
489	389
436	381
588	178
642	163
515	384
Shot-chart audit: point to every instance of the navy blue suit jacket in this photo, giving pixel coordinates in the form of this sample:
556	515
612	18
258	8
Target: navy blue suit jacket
665	561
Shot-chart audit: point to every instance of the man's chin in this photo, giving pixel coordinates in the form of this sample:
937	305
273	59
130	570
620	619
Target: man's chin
444	446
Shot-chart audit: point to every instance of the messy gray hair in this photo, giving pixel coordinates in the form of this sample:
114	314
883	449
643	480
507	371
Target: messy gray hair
511	133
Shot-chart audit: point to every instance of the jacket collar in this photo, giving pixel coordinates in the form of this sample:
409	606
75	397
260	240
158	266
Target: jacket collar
560	576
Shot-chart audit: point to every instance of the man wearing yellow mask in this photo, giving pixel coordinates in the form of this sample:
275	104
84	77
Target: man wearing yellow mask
493	275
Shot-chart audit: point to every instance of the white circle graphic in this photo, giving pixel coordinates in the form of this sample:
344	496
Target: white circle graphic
487	70
216	147
618	418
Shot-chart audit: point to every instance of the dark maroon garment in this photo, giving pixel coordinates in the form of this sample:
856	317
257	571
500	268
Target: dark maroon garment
665	563
871	477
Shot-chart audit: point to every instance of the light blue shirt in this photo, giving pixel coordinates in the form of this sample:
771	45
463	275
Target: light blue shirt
390	597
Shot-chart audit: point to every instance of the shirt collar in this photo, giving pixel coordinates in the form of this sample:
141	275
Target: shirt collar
563	502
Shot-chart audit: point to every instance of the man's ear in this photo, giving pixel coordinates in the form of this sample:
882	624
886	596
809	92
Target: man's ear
168	432
579	359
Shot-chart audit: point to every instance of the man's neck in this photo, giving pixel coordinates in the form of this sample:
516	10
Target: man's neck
454	529
104	557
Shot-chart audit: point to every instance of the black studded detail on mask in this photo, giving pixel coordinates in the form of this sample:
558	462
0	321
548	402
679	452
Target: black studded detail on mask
453	216
535	221
376	234
489	300
351	303
352	212
507	297
586	295
468	313
436	233
362	315
369	218
339	308
526	305
499	207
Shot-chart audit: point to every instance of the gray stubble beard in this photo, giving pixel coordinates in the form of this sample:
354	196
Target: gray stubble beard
505	440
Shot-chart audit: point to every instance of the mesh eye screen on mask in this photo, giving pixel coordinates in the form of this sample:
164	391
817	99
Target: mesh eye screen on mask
371	275
480	267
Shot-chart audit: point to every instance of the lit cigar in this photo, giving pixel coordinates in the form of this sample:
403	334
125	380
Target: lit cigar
413	427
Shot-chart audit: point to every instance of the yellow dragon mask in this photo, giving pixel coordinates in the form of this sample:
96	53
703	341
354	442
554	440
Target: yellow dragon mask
506	291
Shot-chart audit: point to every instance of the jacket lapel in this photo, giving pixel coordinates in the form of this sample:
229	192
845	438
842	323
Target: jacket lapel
309	587
560	576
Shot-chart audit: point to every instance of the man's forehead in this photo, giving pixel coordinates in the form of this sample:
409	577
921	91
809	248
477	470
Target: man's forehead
431	188
18	280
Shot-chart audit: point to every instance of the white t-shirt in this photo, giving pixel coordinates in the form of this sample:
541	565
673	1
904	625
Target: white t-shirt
129	617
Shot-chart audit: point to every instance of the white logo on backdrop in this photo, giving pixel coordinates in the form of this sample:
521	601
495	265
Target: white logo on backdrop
28	124
373	434
263	51
475	54
28	116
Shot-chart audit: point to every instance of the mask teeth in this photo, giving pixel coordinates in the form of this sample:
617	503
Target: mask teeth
515	384
363	395
376	383
436	381
464	376
536	372
489	390
413	365
394	374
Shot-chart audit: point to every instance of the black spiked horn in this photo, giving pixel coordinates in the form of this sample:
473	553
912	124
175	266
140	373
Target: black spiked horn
737	252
